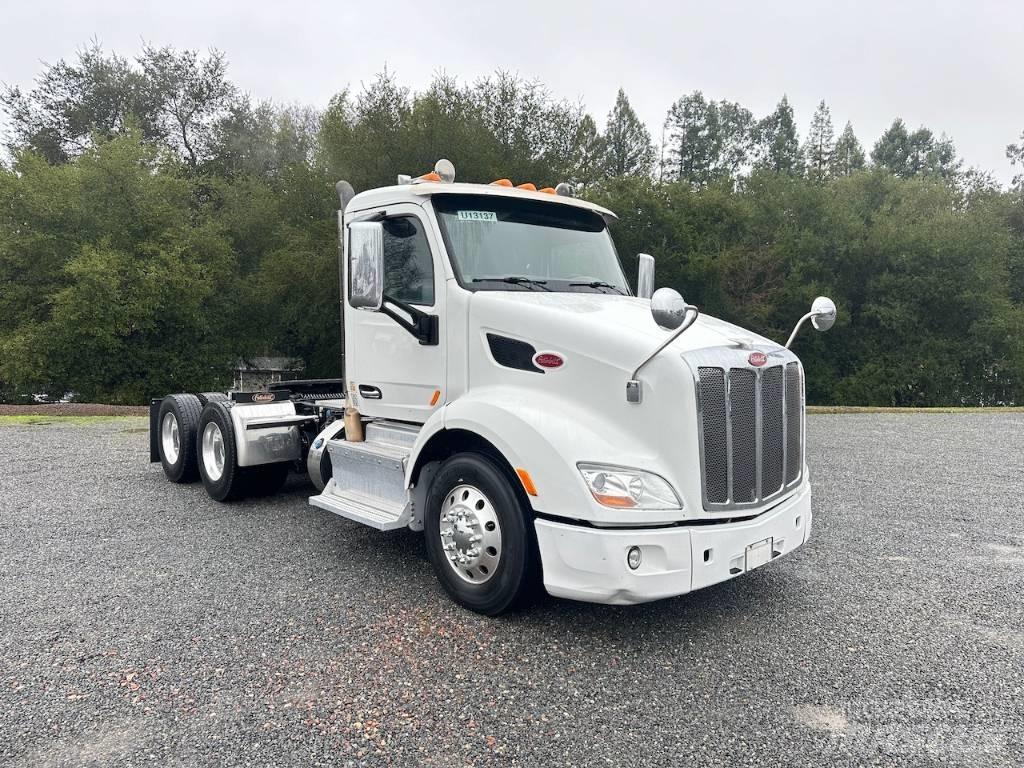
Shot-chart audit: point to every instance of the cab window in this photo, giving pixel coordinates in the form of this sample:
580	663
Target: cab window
408	263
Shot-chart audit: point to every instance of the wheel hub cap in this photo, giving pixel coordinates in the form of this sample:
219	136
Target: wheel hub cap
470	534
213	451
169	438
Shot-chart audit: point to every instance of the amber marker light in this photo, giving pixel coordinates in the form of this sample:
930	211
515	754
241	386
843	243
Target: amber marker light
527	481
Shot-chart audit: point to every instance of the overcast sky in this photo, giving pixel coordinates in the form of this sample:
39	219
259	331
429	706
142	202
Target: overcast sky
954	67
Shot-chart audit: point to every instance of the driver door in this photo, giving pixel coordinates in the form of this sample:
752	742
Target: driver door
390	373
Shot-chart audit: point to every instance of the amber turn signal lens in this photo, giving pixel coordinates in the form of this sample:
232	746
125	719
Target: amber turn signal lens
501	183
527	481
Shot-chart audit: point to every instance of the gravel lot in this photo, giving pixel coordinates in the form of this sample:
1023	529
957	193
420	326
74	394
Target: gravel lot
143	624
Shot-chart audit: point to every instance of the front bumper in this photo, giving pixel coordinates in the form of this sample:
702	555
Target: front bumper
589	564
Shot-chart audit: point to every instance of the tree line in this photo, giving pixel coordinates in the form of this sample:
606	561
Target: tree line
157	224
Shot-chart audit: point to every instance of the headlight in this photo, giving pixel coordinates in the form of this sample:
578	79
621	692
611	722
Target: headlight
624	488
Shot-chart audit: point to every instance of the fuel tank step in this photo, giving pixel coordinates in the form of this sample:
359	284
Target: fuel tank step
392	433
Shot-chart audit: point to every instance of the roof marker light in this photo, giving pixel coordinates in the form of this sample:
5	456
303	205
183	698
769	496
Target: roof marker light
501	183
528	186
547	190
432	176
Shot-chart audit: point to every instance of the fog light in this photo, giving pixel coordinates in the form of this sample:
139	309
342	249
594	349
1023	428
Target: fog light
633	558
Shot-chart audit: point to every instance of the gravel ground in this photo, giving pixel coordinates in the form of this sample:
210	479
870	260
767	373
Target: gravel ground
73	409
143	624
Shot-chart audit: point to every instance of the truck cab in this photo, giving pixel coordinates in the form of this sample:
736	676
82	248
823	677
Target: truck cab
506	393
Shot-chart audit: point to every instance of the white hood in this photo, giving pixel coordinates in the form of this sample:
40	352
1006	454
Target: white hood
617	329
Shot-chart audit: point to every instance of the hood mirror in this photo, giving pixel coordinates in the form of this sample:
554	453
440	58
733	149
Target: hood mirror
822	316
823	313
671	313
668	308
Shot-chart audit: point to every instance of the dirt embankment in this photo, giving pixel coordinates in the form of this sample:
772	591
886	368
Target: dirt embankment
73	409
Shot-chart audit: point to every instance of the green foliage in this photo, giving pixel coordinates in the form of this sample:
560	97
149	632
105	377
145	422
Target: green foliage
156	226
778	145
707	141
847	154
820	144
919	153
627	144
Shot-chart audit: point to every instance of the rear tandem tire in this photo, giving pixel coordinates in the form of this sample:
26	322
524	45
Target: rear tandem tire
176	439
210	397
217	456
265	479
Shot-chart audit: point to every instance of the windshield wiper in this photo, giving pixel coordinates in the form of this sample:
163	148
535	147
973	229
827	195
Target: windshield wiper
514	280
598	284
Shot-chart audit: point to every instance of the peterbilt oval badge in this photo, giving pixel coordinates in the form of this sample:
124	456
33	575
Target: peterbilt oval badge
757	359
262	397
548	360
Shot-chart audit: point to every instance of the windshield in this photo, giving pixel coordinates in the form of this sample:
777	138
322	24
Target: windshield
504	244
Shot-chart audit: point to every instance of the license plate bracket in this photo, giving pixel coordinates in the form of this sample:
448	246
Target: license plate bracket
758	553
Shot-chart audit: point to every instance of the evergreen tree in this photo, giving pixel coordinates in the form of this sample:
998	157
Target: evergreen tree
628	150
778	145
590	155
707	141
907	154
820	144
847	154
1015	154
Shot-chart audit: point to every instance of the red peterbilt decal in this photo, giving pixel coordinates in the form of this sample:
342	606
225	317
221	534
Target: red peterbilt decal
548	360
757	359
262	397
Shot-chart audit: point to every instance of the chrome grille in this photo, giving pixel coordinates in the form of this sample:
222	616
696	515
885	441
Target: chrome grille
751	426
743	407
794	423
713	422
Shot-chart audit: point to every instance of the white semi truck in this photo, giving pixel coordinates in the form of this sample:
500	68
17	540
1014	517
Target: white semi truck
505	393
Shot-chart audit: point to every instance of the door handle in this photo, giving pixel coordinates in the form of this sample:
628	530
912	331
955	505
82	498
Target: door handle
370	392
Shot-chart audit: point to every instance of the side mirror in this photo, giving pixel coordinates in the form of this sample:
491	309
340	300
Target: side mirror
366	264
822	317
668	308
645	276
823	313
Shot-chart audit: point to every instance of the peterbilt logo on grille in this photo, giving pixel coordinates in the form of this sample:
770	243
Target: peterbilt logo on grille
263	397
757	359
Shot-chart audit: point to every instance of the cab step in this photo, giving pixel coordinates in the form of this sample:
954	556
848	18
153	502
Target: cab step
369	510
368	478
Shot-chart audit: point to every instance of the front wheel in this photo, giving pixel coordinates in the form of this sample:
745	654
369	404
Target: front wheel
478	538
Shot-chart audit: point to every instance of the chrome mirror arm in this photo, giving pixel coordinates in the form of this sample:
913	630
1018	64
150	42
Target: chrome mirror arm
633	385
796	330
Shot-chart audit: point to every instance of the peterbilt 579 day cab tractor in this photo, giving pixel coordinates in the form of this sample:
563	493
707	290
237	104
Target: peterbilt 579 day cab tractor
505	393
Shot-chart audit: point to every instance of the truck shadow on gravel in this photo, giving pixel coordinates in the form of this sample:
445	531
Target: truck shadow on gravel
411	583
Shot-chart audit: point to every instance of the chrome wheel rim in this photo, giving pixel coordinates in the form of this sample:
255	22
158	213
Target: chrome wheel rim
170	438
470	534
213	451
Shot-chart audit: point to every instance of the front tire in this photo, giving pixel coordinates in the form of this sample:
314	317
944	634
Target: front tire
478	538
178	421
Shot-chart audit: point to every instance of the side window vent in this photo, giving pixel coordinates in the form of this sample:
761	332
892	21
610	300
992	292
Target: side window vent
513	353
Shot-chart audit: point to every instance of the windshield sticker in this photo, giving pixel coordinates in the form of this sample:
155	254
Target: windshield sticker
478	216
